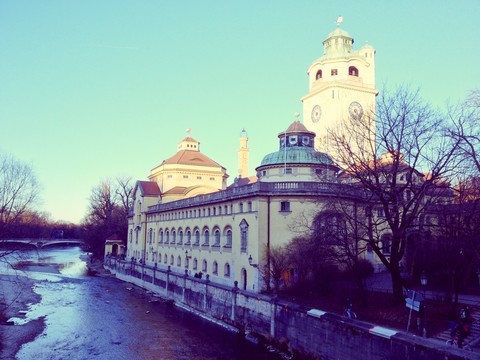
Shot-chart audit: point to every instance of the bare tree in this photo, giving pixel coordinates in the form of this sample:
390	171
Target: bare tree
108	210
18	191
465	120
124	192
400	165
280	264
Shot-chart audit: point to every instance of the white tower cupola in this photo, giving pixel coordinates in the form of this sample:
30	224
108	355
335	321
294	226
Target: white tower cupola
341	86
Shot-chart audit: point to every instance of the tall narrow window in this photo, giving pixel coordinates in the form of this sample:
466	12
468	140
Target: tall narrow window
319	75
226	271
206	238
228	238
243	235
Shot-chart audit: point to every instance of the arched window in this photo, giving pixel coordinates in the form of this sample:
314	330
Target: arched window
174	236
179	261
180	237
171	260
150	235
353	71
217	237
228	238
204	266
319	75
197	238
167	237
131	235
189	237
160	237
195	264
215	268
165	258
226	270
243	236
206	237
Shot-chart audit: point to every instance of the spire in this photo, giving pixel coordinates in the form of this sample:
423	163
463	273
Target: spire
243	153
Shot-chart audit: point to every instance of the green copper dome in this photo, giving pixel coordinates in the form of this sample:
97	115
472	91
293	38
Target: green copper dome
297	155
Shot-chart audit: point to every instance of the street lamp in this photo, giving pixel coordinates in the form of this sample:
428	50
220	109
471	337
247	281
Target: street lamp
250	262
424	282
423	279
187	257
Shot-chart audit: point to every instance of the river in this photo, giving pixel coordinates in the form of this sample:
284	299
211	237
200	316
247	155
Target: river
89	317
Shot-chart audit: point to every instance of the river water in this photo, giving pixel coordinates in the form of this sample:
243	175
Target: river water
91	317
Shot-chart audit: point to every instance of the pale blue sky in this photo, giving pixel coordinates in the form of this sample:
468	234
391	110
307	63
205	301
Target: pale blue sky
100	88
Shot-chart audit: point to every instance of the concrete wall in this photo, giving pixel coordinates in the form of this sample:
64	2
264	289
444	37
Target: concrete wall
306	331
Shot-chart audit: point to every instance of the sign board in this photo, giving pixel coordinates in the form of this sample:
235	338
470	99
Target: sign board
414	305
414	300
415	295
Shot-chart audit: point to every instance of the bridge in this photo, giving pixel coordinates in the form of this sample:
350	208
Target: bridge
39	243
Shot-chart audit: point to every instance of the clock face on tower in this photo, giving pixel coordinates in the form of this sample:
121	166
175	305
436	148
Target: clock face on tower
316	113
356	110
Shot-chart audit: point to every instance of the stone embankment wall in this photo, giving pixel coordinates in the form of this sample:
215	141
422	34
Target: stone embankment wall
305	331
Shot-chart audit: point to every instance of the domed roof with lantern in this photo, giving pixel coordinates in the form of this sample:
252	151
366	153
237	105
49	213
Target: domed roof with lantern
296	148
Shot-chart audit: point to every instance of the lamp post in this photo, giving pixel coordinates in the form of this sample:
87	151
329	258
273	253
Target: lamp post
250	262
424	282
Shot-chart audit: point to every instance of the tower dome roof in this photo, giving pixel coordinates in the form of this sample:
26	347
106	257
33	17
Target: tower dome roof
295	128
297	155
296	148
339	33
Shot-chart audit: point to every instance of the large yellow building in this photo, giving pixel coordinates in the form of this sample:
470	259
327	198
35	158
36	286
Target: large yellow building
185	217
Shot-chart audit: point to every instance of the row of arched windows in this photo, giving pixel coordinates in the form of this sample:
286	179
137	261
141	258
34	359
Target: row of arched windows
170	260
193	236
352	71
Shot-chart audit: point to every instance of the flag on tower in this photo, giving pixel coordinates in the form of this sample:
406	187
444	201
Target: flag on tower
339	20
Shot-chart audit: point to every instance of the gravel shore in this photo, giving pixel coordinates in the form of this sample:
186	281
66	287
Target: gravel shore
16	293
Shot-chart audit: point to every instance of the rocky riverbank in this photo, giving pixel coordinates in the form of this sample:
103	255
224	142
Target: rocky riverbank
15	296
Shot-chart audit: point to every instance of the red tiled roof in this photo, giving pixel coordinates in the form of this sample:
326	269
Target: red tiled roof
189	157
175	190
189	138
149	188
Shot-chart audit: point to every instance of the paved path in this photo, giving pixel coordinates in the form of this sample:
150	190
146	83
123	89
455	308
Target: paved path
382	282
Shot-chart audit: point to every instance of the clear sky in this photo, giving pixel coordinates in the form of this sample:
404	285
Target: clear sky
96	89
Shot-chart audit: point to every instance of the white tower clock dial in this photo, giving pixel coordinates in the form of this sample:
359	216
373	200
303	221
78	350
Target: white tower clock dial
356	110
316	113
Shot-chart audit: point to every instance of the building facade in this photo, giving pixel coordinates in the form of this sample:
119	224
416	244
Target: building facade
186	218
341	86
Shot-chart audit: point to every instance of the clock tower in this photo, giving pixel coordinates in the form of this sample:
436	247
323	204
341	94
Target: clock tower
341	85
